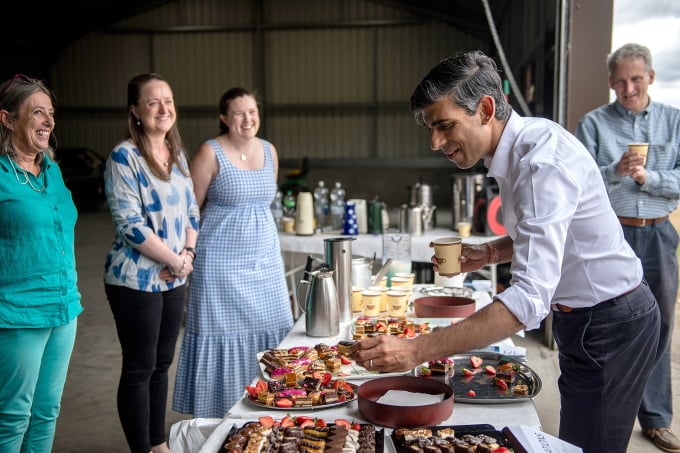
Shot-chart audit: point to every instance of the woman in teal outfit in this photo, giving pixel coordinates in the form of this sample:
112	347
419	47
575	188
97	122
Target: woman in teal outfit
39	298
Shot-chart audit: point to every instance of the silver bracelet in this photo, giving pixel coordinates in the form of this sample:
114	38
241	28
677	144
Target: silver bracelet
181	269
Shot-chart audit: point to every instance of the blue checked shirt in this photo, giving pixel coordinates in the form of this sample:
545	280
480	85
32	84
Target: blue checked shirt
606	132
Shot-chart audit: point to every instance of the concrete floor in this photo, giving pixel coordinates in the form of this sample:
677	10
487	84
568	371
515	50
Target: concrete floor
89	420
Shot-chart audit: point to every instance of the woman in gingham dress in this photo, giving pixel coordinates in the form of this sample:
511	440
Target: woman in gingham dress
238	298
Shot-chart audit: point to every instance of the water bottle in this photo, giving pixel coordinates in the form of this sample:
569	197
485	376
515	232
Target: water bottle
289	204
277	208
337	207
321	205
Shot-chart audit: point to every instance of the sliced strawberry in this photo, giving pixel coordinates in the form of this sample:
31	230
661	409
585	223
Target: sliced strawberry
299	419
475	361
252	390
306	423
283	402
491	371
266	421
471	393
320	422
501	384
356	426
345	360
287	422
343	422
261	385
326	379
467	372
501	450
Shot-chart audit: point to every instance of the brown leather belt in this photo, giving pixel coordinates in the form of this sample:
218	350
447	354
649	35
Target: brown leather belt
601	305
634	222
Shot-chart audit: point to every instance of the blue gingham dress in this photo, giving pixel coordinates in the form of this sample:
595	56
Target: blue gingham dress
238	298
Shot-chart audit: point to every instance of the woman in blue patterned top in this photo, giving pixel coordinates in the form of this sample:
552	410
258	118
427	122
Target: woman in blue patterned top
238	298
151	198
39	298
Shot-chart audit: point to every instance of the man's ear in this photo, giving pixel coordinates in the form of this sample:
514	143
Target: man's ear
487	109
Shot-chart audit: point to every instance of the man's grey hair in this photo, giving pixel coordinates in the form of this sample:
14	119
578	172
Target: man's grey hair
629	51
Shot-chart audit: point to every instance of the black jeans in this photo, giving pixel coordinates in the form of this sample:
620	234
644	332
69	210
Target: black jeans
148	326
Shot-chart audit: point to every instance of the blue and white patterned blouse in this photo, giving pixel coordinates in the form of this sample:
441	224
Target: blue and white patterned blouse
142	205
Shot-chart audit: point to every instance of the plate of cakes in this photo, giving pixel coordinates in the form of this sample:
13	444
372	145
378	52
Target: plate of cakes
304	434
314	391
300	361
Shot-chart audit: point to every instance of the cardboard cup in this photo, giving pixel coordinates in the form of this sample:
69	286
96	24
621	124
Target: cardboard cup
447	251
383	296
396	303
370	302
356	299
410	275
464	229
401	281
639	148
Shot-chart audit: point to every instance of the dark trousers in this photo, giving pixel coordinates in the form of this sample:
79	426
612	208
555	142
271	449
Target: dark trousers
148	325
605	354
656	246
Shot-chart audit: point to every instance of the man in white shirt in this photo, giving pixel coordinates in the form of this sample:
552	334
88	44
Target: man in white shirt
566	249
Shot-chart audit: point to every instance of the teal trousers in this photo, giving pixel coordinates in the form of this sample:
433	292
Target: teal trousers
33	366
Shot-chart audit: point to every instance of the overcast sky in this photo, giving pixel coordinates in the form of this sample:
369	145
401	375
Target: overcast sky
655	24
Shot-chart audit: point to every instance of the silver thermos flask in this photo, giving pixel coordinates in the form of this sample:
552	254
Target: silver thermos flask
338	256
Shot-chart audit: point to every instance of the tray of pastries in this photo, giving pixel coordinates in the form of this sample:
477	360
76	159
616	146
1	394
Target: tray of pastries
486	377
304	434
444	439
309	392
321	358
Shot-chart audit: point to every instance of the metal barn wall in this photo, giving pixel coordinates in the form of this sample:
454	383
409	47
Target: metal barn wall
335	78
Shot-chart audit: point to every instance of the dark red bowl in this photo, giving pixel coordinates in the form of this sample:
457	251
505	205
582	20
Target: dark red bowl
404	416
444	307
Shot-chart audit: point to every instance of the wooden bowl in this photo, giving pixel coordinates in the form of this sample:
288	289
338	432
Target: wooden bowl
444	307
404	416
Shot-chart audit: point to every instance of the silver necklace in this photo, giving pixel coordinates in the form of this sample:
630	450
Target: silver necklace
27	179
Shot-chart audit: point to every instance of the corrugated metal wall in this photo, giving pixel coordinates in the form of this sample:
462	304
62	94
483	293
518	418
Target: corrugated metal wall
335	79
335	76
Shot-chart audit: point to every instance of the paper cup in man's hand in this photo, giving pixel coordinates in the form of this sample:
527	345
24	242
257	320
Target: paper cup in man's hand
447	251
639	148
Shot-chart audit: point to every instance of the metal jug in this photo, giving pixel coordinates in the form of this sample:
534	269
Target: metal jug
338	256
322	316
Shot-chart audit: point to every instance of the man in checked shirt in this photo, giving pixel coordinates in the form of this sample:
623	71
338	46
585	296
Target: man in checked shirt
643	195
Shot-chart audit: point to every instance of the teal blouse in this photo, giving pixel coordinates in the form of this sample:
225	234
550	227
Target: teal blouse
38	280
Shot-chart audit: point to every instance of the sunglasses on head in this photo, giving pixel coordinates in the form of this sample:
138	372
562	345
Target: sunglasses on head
23	78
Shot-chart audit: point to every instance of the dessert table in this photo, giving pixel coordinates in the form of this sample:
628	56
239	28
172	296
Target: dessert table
498	415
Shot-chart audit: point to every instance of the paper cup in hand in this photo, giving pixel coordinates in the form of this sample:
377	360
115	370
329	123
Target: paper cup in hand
639	148
447	252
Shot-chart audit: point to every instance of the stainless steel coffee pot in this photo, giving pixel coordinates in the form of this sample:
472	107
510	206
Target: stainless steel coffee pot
322	313
338	256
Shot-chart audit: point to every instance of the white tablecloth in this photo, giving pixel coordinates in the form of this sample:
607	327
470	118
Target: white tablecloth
498	415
